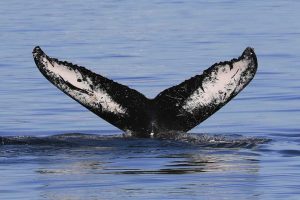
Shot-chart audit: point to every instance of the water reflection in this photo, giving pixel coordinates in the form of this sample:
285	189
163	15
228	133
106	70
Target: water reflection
94	154
101	172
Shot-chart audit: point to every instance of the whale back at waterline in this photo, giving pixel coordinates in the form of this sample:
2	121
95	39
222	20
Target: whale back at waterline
179	108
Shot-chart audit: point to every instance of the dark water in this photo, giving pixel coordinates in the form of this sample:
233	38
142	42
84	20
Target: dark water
250	149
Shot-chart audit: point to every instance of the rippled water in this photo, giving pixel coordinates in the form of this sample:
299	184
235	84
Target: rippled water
247	150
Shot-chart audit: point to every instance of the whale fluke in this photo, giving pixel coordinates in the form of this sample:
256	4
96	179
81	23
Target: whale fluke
176	109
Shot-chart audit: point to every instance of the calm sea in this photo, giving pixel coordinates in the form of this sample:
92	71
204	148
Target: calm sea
150	46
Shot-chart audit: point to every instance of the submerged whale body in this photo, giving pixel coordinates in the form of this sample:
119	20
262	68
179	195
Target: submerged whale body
176	109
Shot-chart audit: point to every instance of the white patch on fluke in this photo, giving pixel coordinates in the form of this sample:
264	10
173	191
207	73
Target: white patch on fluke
219	85
94	97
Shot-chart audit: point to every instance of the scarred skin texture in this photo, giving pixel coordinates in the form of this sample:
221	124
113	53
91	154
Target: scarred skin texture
176	109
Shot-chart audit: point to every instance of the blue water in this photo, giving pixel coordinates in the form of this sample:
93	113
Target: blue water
150	45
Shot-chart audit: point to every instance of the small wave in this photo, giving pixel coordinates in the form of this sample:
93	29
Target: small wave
216	141
167	139
289	152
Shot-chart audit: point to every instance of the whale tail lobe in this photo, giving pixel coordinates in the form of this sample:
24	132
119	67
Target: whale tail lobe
179	108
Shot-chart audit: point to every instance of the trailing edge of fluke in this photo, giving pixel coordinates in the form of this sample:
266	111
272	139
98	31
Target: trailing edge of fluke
176	109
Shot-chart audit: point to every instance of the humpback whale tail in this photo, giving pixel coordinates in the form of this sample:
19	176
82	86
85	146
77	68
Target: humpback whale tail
179	108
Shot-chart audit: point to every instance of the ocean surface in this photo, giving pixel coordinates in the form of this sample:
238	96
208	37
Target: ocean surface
53	148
